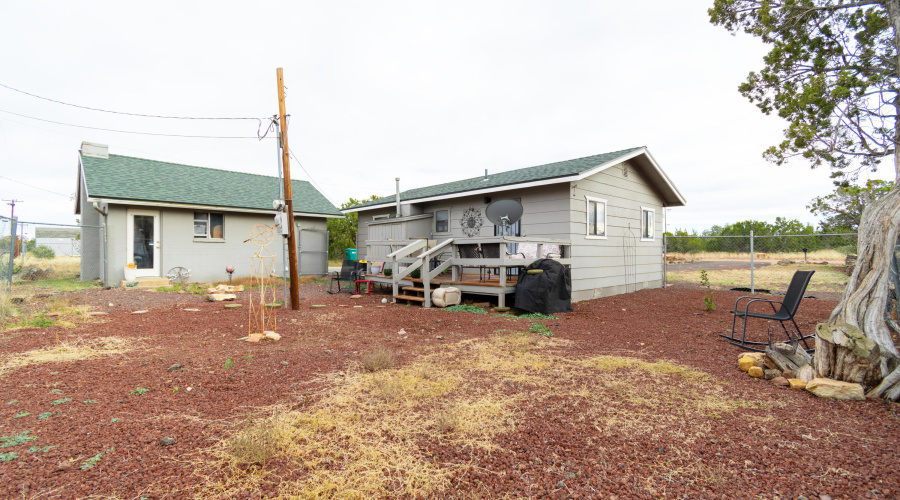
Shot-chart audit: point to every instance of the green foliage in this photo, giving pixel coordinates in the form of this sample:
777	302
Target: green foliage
342	232
45	415
12	402
114	420
36	449
842	209
710	294
466	308
228	364
56	390
43	252
61	401
415	274
140	391
38	321
22	414
89	401
8	457
92	461
20	438
30	244
388	272
831	73
540	329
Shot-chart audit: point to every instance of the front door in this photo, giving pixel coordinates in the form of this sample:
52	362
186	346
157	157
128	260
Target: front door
143	241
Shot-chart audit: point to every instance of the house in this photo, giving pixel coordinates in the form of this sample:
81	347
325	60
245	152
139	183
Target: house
160	216
600	215
62	240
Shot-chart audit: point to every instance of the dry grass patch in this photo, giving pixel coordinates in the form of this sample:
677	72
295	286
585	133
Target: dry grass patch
775	278
67	351
378	359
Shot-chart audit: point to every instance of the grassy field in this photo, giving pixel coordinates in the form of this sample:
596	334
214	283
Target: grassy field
831	256
828	278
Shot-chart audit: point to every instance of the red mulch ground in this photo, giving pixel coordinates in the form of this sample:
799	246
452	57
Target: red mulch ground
811	447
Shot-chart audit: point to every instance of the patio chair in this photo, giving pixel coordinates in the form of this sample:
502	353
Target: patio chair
493	252
345	277
785	312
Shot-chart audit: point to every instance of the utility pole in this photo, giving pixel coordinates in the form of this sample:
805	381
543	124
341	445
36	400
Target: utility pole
288	196
12	203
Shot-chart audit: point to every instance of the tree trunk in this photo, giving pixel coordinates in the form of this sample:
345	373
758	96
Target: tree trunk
863	304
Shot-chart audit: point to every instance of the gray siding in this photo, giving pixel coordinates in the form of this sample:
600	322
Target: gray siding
602	267
91	238
206	259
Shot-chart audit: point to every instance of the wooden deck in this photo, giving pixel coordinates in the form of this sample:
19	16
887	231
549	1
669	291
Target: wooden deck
446	280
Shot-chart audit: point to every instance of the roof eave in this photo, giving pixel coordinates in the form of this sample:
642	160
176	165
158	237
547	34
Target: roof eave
165	204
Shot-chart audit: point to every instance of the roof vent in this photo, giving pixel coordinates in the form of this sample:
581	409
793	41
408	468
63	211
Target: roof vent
95	150
485	175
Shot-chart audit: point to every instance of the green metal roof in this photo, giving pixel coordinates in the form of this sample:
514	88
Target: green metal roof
128	178
519	176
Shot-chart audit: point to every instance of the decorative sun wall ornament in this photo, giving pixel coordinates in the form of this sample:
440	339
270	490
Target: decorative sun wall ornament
471	222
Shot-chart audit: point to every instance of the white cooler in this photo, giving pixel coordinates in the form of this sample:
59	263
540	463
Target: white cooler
449	296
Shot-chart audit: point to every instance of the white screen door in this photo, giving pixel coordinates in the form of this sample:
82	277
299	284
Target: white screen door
143	241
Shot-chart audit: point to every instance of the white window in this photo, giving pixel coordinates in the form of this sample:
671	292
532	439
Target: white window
596	218
647	224
209	225
441	221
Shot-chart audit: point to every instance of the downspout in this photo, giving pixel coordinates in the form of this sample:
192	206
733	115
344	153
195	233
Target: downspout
103	237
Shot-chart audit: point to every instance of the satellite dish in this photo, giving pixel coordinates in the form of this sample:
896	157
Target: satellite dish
504	213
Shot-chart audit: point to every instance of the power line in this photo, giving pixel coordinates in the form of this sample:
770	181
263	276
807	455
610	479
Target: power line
35	187
132	131
310	177
123	112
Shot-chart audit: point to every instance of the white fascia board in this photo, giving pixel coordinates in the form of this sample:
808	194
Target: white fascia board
205	208
461	194
635	154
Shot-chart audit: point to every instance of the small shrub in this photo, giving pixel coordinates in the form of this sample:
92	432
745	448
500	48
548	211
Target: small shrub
92	461
378	359
60	401
415	274
43	252
8	457
228	364
38	321
256	442
388	272
140	391
22	414
447	421
710	294
45	415
17	439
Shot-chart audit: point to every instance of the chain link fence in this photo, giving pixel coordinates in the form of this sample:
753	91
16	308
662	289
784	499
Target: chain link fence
761	263
36	255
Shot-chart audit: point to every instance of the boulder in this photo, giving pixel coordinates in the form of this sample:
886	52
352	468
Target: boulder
746	363
788	374
796	383
771	374
835	389
781	382
756	371
758	357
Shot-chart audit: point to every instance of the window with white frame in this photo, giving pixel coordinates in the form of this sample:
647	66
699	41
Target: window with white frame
647	223
441	221
209	225
596	217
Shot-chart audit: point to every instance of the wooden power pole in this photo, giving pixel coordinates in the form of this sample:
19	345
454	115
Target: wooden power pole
288	196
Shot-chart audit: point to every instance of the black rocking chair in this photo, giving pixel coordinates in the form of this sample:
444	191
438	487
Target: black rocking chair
786	311
347	275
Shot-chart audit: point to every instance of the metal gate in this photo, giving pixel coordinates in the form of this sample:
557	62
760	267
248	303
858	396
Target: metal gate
312	252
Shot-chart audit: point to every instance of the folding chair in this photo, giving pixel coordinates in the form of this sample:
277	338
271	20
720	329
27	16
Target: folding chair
786	311
347	275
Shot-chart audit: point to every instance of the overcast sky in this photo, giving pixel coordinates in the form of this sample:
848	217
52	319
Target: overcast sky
426	91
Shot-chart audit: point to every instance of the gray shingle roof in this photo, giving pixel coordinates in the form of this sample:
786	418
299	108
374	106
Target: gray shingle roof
128	178
529	174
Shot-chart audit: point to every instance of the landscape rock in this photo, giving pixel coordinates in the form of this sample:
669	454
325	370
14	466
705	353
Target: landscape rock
796	383
142	311
255	337
272	335
788	374
806	373
756	371
63	466
356	296
758	357
219	297
746	363
167	441
835	389
176	366
771	374
781	382
233	306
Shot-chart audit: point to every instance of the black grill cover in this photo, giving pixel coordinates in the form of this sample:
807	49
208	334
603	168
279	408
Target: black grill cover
548	292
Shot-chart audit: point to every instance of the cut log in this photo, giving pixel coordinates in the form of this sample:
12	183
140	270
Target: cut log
781	360
889	382
844	353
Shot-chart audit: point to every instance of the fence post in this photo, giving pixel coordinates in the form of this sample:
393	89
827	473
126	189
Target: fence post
12	249
665	260
752	288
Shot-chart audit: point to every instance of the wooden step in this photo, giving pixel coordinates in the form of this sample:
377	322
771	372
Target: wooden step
409	298
148	282
414	289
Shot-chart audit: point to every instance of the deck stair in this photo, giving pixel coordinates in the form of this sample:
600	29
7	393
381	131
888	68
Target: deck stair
145	282
415	293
